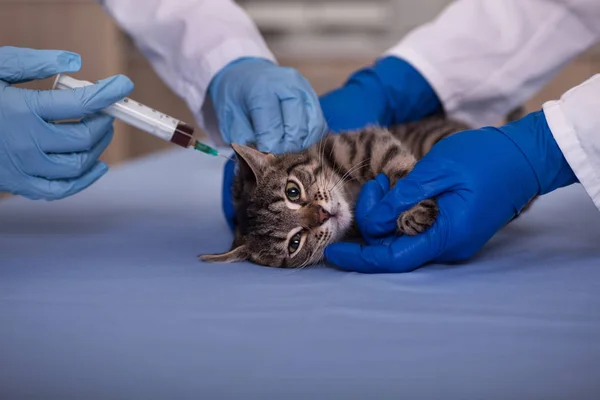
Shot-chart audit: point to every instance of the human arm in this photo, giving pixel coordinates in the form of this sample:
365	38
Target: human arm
212	55
482	179
481	58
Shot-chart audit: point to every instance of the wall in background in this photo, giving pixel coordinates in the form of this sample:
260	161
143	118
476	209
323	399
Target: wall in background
325	39
334	29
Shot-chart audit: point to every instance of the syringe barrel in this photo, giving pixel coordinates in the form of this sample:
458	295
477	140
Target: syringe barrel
139	116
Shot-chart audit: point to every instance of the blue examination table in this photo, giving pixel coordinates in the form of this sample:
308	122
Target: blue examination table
102	297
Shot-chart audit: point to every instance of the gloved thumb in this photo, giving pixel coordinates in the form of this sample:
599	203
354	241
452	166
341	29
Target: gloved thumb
22	65
392	255
370	194
422	183
57	105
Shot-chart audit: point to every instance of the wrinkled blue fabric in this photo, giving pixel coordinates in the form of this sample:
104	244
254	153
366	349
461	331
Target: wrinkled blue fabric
102	297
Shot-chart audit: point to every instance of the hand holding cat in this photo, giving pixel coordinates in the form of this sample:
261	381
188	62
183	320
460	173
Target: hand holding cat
389	92
481	179
259	102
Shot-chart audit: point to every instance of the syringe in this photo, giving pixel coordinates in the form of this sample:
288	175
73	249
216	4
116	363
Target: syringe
145	118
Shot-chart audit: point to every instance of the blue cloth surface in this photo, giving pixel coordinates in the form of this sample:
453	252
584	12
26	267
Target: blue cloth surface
102	297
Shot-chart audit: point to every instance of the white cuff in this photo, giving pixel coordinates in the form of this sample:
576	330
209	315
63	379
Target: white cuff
574	123
426	69
451	98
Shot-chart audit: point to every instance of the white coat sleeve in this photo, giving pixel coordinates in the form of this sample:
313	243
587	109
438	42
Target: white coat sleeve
188	42
484	57
574	120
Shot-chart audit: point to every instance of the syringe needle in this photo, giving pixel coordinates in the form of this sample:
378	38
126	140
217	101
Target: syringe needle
205	148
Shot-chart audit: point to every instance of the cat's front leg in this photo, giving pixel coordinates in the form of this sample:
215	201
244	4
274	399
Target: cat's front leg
419	218
422	216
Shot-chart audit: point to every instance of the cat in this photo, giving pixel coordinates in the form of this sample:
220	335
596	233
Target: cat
289	207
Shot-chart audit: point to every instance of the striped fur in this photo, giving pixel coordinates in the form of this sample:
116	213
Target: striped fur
328	176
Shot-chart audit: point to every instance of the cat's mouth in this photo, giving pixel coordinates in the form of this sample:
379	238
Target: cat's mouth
340	219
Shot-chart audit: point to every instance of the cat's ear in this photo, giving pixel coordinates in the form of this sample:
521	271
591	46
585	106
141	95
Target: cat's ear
238	253
251	161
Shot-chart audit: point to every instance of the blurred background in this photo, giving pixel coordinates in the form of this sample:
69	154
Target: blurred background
325	39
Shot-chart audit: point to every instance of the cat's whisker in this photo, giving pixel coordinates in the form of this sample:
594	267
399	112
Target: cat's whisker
347	176
311	259
321	156
336	170
308	260
321	247
356	166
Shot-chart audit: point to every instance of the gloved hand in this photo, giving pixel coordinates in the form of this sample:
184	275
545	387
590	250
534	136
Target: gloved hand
275	107
481	178
40	159
390	92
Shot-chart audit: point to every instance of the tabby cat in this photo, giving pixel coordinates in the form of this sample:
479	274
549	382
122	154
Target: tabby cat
291	206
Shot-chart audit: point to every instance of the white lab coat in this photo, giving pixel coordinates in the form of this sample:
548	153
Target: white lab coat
188	42
484	57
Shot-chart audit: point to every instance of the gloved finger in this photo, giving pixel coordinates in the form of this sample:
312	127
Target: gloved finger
40	188
317	126
370	194
77	136
18	65
69	166
295	123
236	128
267	120
226	198
381	219
56	105
348	109
66	166
404	254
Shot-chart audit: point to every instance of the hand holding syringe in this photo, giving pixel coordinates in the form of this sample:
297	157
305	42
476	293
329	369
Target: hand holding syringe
145	118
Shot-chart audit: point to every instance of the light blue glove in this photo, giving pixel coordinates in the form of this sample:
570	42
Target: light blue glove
481	178
390	92
275	107
40	159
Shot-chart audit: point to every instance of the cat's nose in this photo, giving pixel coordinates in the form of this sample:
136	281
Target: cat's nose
322	215
314	216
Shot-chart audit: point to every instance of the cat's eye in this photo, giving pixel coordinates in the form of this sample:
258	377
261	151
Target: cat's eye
295	242
292	191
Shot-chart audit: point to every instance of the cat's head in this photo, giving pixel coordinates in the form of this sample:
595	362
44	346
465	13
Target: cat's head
288	208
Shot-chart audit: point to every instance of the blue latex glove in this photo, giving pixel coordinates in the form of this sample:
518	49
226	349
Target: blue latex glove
275	107
390	92
226	198
40	159
482	179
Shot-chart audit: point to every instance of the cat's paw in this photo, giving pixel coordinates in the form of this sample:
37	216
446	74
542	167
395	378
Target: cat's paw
419	218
